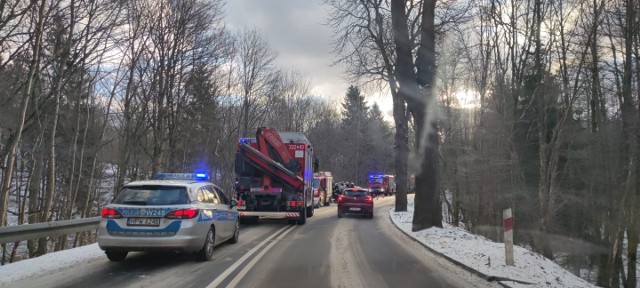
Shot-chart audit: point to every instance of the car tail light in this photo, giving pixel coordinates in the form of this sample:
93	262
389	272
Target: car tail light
110	213
188	213
369	199
240	202
339	198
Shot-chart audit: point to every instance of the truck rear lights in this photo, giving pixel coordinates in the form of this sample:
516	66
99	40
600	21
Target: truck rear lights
110	213
295	203
188	213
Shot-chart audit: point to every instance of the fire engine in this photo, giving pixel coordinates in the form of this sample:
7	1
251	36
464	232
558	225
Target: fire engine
381	184
322	188
274	174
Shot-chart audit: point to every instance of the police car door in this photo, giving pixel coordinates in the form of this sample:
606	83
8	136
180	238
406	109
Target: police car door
230	215
207	208
220	216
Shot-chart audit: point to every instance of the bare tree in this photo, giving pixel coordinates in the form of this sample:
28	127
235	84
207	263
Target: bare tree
15	139
255	68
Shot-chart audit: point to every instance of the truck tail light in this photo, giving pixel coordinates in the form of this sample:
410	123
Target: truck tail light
188	213
110	213
295	203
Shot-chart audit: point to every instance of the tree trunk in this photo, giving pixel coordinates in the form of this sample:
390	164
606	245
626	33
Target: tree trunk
13	145
428	211
34	187
401	149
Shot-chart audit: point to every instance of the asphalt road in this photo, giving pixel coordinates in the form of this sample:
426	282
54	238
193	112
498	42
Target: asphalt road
326	252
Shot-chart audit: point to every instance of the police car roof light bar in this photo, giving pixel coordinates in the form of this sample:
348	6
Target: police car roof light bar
181	176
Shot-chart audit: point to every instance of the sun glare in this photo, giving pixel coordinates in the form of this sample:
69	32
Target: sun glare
467	99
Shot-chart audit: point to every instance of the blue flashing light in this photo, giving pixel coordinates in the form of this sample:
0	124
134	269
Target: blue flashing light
181	176
247	140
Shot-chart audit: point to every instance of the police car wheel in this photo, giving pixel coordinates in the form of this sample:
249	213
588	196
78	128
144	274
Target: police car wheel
116	256
206	253
236	234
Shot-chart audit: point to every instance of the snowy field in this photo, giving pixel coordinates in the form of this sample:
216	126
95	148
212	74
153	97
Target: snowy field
48	263
487	257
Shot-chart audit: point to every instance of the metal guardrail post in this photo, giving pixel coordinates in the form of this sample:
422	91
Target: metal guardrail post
38	230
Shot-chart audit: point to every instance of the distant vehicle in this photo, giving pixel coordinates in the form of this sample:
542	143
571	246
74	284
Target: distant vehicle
174	212
274	174
337	191
322	188
356	200
381	184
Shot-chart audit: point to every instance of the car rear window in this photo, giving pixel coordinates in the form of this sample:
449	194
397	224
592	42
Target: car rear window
153	195
355	193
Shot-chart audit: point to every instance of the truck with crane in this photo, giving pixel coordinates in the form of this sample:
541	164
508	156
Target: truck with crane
274	176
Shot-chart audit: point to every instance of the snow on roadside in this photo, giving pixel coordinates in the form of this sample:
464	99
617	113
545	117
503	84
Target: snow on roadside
487	257
49	263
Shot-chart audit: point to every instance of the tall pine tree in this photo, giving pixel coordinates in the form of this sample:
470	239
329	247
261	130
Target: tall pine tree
355	135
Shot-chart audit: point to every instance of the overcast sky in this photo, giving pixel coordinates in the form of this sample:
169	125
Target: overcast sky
295	28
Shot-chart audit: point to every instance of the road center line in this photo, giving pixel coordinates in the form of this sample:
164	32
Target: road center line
216	282
255	260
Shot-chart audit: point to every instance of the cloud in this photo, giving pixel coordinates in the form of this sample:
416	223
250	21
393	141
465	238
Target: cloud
295	28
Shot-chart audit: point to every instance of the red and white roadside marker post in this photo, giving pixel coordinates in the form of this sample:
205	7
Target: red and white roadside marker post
507	221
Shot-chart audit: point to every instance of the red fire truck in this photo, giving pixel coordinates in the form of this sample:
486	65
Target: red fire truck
322	188
381	184
274	174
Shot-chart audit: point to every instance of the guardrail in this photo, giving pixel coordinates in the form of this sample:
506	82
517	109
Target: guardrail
38	230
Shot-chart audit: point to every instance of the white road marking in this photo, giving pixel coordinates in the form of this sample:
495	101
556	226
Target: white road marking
216	282
255	260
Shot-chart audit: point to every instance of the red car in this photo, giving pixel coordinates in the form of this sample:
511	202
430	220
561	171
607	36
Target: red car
355	201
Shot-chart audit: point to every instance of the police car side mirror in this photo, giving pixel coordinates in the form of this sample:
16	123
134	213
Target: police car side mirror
233	203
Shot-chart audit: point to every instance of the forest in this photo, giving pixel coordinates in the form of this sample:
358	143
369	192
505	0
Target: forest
99	93
534	104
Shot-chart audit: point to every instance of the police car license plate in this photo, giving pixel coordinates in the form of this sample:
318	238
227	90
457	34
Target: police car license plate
143	221
354	209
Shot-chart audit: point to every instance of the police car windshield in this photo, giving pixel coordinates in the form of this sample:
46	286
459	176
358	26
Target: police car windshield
152	195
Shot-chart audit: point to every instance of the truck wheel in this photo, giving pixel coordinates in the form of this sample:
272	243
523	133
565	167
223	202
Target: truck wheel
116	256
206	253
303	217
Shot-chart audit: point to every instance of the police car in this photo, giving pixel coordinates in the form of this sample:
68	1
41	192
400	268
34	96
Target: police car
173	212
